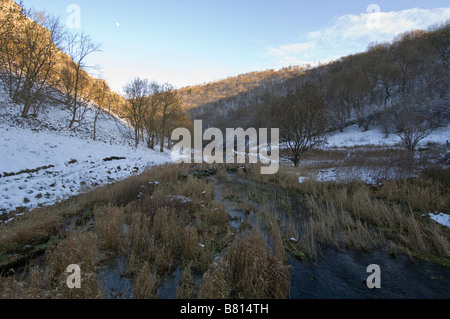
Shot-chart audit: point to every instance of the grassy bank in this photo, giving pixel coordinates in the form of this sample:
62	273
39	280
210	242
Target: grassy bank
167	221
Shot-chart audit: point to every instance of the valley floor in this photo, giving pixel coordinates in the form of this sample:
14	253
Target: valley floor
180	231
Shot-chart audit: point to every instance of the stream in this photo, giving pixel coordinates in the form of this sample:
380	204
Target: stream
334	275
343	274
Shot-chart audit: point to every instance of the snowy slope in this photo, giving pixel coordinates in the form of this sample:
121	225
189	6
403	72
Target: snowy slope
45	162
354	136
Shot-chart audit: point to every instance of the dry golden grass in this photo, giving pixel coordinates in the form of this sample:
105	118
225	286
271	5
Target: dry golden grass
159	230
255	269
168	229
30	288
110	228
198	190
354	216
191	240
139	234
175	223
187	289
49	281
47	221
32	227
216	282
357	216
424	195
146	283
78	248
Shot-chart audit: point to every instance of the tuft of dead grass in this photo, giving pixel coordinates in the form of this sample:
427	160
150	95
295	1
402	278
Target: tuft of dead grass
146	283
422	194
187	289
255	269
110	228
216	282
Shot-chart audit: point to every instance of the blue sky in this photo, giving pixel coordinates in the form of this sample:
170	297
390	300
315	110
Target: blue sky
188	42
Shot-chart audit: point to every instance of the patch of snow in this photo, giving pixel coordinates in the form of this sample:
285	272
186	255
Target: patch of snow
302	179
182	199
441	218
353	136
73	161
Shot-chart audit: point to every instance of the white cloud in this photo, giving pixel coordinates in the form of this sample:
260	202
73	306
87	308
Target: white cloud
293	48
353	33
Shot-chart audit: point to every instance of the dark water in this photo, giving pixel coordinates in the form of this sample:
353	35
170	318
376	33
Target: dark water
168	290
114	284
342	275
335	275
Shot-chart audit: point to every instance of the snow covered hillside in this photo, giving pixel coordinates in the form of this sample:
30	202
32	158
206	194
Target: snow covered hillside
354	136
368	156
43	162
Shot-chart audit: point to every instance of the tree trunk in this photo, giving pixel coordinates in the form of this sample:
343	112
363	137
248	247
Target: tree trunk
162	137
26	108
95	126
136	137
72	121
75	102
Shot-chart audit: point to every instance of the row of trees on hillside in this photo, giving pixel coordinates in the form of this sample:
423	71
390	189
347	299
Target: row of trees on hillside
413	67
194	96
40	59
29	55
153	111
401	86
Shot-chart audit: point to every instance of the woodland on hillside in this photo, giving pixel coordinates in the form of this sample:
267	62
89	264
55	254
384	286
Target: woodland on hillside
401	86
41	62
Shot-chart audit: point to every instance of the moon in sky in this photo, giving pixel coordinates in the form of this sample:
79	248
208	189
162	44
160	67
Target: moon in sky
117	24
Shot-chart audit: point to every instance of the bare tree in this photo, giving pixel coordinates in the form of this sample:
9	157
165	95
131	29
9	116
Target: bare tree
151	115
407	59
416	118
99	97
338	95
440	39
9	34
29	56
67	82
301	119
79	47
170	108
136	95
